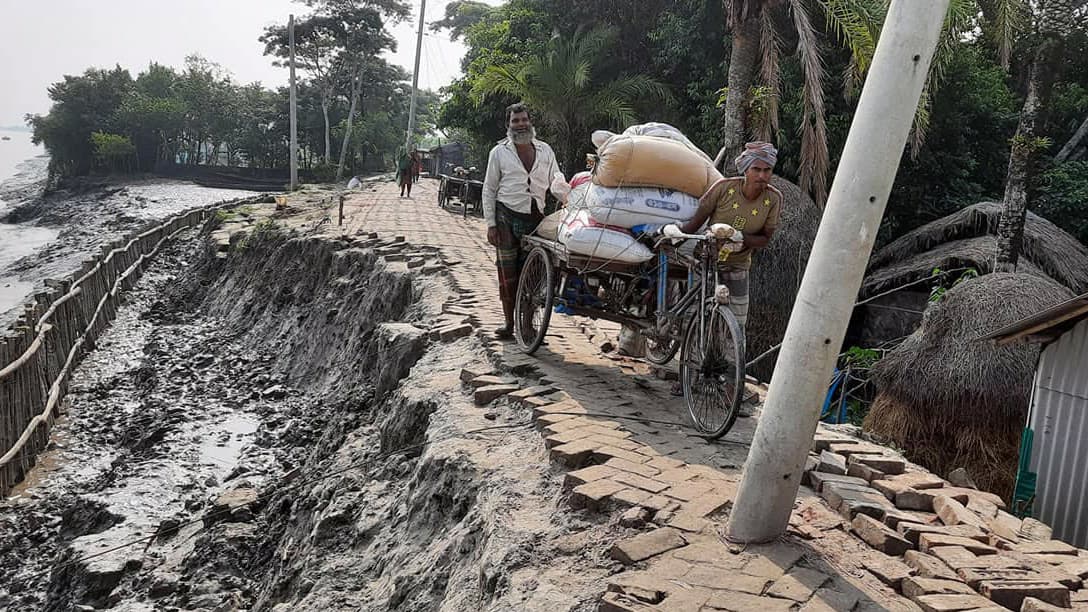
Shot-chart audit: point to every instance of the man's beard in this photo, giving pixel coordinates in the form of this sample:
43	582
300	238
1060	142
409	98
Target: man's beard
522	138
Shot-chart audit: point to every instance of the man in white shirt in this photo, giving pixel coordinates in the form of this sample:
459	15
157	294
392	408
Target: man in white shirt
519	170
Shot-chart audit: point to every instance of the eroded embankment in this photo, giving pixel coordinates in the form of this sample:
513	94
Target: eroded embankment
287	433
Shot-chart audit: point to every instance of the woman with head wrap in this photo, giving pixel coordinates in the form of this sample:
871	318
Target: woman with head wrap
750	206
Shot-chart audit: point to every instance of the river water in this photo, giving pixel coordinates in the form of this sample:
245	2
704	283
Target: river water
49	236
18	240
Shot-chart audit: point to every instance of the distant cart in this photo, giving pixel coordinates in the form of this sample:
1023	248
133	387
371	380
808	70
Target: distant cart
467	192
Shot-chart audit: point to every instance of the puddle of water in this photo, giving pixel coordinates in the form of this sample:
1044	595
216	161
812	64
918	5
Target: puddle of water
222	451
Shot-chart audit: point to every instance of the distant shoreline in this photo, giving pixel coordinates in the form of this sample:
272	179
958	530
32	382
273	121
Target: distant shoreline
15	128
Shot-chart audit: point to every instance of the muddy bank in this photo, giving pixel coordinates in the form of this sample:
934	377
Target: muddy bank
281	418
49	235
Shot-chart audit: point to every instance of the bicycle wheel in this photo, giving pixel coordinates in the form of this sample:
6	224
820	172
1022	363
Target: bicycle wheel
535	296
712	370
443	195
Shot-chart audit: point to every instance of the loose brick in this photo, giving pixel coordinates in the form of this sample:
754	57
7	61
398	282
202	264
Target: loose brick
890	571
609	450
688	522
471	372
912	531
568	436
882	463
915	587
1032	604
488	394
1034	530
958	557
854	447
635	517
829	599
831	463
913	499
629	497
531	391
559	407
642	469
677	475
640	482
894	517
594	495
712	502
454	332
1011	593
734	601
879	536
665	463
851	500
975	576
688	491
646	545
575	453
823	440
952	603
1046	547
1006	526
928	566
928	541
658	503
819	479
865	472
953	512
619	602
556	423
589	474
488	380
798	584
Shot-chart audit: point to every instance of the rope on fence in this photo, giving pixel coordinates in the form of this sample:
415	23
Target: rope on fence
43	328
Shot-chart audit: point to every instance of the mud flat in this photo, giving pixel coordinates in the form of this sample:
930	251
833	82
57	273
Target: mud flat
272	426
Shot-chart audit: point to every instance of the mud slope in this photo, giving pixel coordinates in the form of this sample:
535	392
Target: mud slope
363	477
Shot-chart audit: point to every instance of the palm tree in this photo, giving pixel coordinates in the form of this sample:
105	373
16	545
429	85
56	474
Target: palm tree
564	88
756	48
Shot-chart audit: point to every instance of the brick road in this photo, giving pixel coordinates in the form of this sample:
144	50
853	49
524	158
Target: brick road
672	485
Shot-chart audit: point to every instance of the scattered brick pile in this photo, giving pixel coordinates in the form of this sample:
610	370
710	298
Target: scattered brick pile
948	548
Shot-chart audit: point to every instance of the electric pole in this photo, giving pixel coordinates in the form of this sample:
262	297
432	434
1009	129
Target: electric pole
415	80
835	269
294	105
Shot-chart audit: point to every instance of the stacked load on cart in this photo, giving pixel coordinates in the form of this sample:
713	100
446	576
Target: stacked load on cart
646	177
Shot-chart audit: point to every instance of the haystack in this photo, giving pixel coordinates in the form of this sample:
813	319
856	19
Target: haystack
776	274
951	400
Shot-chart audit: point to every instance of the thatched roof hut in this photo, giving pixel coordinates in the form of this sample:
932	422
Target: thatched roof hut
963	240
776	274
952	400
967	238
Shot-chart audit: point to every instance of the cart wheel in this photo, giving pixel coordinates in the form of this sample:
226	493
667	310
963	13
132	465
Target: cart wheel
533	308
712	370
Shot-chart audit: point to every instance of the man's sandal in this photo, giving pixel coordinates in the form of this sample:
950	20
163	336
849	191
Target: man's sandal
504	333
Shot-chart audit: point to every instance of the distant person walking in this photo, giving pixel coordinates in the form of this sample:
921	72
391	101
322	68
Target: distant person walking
405	172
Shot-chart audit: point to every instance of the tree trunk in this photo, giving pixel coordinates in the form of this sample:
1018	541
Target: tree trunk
347	130
744	60
327	157
1073	143
1010	228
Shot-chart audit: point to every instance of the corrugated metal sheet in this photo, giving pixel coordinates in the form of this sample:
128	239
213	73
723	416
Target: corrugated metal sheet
1059	417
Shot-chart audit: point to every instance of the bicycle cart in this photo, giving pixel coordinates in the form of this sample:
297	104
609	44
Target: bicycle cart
467	192
674	300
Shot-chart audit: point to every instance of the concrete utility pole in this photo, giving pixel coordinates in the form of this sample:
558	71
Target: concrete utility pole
415	80
835	269
294	105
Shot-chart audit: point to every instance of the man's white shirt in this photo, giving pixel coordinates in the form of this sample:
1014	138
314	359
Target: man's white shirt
507	181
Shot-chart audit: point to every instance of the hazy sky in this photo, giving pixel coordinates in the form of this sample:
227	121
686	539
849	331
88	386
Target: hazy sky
46	39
